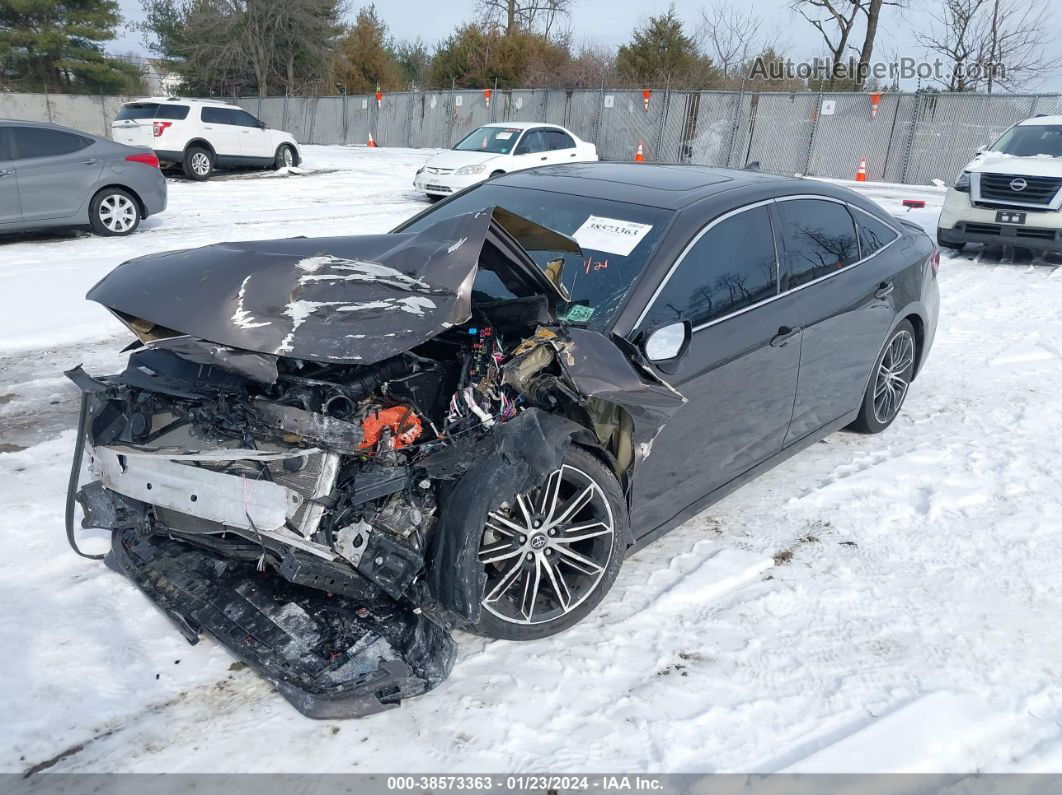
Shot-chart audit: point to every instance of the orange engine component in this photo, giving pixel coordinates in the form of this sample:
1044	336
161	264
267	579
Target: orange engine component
404	424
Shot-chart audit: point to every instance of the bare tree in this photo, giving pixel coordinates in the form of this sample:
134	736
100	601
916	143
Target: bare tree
958	35
530	15
837	20
993	43
1021	49
731	37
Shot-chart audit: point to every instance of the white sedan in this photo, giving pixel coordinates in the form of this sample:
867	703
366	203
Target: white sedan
498	149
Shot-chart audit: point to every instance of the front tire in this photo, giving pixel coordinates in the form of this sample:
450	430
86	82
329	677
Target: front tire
198	163
285	157
552	557
114	213
889	381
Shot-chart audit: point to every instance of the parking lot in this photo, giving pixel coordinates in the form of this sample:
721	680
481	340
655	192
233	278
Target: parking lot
899	591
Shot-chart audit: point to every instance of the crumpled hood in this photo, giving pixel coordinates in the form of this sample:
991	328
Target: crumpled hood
997	163
355	300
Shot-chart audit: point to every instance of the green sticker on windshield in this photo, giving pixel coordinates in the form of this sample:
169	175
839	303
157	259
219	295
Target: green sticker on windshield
579	314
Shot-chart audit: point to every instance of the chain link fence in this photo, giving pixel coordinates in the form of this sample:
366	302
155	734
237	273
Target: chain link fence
906	138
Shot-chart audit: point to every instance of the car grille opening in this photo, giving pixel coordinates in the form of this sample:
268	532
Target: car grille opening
983	229
1036	190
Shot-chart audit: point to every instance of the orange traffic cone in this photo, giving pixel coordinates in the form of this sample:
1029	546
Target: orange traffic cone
861	173
639	155
371	141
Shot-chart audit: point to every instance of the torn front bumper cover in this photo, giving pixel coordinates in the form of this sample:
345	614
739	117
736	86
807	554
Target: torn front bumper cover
330	656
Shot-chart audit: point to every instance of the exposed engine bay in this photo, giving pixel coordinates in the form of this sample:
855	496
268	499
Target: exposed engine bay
315	498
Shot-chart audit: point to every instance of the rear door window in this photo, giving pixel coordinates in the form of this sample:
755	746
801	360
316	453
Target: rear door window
217	116
42	142
558	140
731	267
873	234
819	238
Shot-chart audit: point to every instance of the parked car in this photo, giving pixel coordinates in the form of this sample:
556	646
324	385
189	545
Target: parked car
496	149
1011	192
471	421
201	136
54	176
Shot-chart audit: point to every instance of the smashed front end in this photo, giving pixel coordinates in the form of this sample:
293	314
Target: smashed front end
299	458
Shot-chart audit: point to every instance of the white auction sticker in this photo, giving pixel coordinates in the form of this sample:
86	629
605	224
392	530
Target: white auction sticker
610	235
504	136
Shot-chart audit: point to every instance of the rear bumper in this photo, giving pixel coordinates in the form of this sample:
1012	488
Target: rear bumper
330	656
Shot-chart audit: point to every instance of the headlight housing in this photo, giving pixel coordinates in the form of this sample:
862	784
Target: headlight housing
962	184
468	170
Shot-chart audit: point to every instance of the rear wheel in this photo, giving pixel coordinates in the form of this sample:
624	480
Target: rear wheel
114	213
198	163
552	557
889	382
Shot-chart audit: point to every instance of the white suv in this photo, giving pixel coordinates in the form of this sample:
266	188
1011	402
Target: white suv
200	136
1011	193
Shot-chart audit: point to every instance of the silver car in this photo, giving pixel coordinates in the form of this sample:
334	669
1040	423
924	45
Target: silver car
54	176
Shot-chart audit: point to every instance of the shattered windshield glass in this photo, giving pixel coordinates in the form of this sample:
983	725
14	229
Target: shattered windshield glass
616	238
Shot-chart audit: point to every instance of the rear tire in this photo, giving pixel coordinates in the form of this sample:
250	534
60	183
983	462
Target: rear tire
114	212
563	554
890	380
198	163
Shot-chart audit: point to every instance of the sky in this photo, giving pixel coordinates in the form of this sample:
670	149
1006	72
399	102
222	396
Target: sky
432	20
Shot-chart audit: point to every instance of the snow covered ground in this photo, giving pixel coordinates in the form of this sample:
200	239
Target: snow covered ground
884	603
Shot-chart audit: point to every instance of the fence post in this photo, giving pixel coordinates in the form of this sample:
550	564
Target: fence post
815	113
1032	109
409	117
450	115
734	128
911	138
345	129
313	119
659	142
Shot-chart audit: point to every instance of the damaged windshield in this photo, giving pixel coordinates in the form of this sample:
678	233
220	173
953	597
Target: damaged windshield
616	238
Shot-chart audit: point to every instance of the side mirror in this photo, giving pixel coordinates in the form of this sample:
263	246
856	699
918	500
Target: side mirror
981	150
262	125
668	342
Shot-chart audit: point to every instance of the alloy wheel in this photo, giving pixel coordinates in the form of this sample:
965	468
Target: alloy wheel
287	158
893	376
547	553
201	163
117	213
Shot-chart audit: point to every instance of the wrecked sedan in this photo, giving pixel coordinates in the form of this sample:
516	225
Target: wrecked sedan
330	453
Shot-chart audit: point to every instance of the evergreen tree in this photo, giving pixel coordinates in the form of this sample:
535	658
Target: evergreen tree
56	45
661	52
364	59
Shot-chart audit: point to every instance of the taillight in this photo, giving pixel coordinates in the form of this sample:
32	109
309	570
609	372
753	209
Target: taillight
159	127
148	159
934	260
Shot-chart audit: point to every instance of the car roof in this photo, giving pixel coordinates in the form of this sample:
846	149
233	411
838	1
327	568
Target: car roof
668	186
47	125
215	103
1039	120
521	125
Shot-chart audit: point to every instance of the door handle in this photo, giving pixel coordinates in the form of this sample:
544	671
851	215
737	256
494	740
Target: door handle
784	335
89	162
544	157
6	173
884	290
